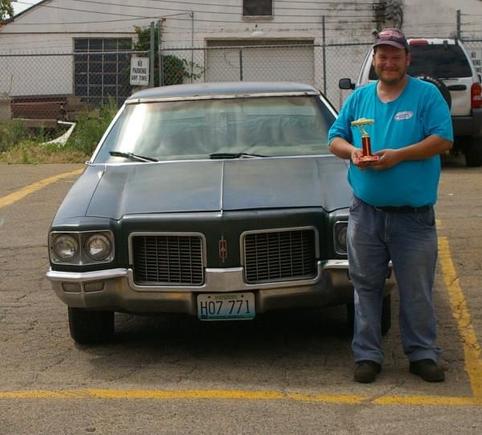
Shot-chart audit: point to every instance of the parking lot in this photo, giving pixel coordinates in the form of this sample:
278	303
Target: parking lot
283	372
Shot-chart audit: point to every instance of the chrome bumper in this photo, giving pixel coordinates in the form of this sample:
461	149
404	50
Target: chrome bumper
114	289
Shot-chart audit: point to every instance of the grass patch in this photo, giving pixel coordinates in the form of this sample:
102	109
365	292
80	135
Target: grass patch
19	144
30	152
11	133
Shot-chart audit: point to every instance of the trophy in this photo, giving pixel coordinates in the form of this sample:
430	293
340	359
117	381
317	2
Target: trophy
365	137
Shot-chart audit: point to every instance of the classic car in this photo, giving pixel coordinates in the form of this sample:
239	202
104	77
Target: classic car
220	201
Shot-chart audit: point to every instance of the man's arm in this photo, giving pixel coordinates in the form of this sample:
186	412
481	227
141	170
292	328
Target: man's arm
428	147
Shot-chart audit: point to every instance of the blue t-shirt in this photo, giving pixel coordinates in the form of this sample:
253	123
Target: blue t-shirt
420	111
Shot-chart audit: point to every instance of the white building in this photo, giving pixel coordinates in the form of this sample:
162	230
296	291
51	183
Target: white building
55	47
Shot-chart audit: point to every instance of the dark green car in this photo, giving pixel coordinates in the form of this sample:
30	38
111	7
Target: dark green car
217	200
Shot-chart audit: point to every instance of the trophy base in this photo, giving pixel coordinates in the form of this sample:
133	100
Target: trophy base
369	158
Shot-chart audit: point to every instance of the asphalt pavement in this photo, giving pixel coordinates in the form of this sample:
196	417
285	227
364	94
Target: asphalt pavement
284	372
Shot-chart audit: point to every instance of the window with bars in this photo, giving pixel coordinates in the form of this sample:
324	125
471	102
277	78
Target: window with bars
101	69
257	8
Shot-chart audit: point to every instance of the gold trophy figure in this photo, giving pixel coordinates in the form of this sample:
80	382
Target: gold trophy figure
365	137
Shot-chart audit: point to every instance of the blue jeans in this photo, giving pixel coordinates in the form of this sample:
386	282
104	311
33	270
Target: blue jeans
409	240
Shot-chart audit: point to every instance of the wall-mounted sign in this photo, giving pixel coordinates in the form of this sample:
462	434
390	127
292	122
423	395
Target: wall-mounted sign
139	71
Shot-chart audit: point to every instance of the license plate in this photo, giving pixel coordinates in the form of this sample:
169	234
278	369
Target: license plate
226	306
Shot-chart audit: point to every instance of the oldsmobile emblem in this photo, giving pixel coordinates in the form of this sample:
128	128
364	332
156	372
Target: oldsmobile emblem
223	249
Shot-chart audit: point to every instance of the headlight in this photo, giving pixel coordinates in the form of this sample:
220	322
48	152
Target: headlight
98	247
340	237
65	247
81	247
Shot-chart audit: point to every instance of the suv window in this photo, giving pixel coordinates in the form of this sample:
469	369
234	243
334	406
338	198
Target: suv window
440	61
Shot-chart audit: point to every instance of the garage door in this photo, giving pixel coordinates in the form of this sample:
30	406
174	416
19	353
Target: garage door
269	60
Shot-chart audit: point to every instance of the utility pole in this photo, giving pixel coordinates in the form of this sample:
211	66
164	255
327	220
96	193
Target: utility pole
459	24
152	55
324	51
159	51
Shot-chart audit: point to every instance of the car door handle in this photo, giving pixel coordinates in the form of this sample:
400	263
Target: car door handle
457	87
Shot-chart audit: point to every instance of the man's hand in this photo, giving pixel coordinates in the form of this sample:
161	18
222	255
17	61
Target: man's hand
388	158
357	161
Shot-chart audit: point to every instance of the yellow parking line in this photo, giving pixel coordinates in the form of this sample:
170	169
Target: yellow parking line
31	188
460	311
264	395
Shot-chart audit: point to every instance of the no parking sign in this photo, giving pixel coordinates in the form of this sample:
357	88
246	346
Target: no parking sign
139	71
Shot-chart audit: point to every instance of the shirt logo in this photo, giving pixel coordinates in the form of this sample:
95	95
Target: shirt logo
400	116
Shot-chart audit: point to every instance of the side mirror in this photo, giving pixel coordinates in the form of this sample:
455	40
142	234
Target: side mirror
346	84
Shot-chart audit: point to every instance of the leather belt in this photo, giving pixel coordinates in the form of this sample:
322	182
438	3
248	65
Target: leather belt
405	209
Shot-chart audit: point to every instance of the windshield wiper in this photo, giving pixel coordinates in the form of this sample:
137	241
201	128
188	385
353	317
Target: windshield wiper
133	156
233	155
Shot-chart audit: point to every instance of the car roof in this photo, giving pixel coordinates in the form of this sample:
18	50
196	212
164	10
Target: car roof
203	90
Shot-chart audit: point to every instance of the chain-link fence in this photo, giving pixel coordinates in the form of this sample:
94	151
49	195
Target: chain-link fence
60	85
474	47
317	65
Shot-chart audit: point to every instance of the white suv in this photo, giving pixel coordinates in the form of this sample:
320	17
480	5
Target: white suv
446	63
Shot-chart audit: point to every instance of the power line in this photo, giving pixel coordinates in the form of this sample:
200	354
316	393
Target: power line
238	7
83	10
280	23
156	8
340	19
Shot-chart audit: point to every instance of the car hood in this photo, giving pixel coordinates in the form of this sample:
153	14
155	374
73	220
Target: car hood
219	185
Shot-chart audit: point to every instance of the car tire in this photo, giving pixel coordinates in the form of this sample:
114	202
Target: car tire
386	321
89	326
473	152
440	86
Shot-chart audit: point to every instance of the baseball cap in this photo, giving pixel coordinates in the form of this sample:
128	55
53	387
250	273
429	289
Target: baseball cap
393	37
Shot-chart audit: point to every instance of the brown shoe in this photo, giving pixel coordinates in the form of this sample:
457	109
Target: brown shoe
428	370
366	371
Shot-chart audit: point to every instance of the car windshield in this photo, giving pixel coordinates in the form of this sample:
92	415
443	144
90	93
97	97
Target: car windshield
236	128
442	61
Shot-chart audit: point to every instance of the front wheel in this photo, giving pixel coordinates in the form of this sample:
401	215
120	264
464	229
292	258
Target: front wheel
89	326
386	321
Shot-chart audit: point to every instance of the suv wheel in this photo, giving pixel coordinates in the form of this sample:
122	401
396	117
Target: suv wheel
473	152
90	327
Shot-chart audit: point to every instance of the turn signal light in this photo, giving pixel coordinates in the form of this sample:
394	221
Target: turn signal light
476	95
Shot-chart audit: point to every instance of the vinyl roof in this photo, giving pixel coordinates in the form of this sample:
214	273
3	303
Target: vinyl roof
223	88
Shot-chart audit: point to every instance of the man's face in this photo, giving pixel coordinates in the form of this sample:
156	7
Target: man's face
390	63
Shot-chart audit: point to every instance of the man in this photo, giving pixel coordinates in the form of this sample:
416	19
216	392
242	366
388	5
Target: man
392	216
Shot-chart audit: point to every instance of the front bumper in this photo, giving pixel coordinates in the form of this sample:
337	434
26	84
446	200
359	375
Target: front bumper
114	289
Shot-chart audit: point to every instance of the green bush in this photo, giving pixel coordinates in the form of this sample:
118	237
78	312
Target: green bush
11	133
90	128
174	69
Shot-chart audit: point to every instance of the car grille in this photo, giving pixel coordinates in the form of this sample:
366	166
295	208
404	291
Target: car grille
168	260
279	255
